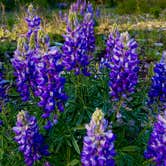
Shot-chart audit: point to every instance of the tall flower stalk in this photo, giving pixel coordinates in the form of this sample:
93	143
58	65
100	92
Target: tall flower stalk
98	145
123	66
121	59
49	85
20	64
157	92
38	69
156	150
79	38
31	142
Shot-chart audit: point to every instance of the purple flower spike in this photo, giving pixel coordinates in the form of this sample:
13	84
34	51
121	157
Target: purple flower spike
1	122
48	83
31	142
20	64
122	60
74	51
158	86
79	39
27	46
98	146
39	69
3	90
156	149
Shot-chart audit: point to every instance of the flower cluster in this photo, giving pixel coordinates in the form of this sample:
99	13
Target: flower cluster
98	147
79	7
158	86
20	64
156	147
31	142
112	39
122	60
49	84
27	46
39	69
75	53
88	30
79	39
33	23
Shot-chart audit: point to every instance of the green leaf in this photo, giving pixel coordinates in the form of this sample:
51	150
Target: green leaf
130	149
76	147
80	127
1	154
147	162
73	162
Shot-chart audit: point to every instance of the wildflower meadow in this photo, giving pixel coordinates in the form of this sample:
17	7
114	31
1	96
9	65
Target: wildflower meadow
83	83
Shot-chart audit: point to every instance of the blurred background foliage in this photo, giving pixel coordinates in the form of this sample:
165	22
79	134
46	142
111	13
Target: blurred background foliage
122	6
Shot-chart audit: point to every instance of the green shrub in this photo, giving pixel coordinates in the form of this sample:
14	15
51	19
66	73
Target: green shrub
160	3
155	11
141	6
127	7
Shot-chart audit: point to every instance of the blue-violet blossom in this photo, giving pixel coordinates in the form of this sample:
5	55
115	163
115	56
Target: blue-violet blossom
157	90
156	149
98	145
38	69
31	142
79	39
122	60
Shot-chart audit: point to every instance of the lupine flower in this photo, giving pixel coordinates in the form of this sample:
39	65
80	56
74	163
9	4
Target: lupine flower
156	149
122	60
49	84
33	22
31	142
98	14
79	7
47	81
3	90
26	47
89	9
88	30
79	39
39	70
113	38
98	145
158	86
75	53
2	95
20	64
1	122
